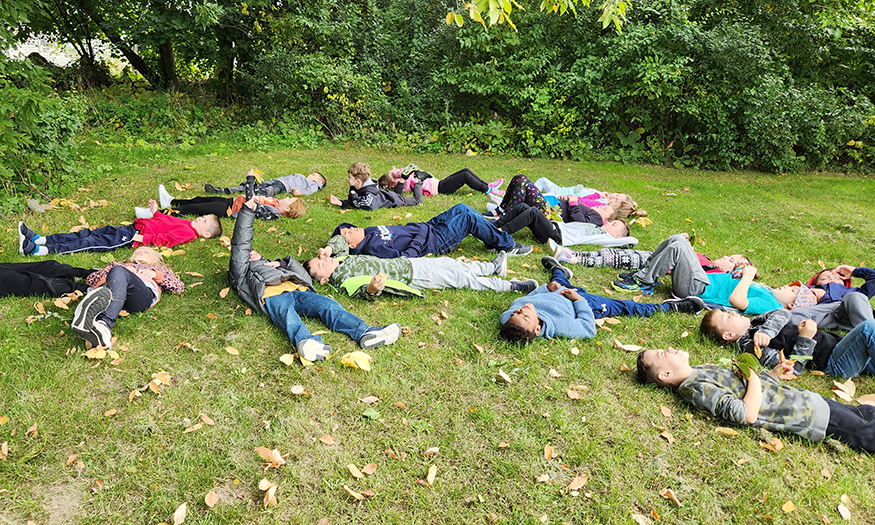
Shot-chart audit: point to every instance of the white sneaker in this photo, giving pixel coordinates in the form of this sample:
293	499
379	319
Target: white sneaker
313	350
164	198
554	248
381	335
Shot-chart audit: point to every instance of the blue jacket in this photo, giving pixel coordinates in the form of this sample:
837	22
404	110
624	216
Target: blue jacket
835	291
560	317
414	239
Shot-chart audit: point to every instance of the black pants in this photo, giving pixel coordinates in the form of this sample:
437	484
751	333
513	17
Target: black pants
460	178
129	292
854	425
40	278
268	188
523	215
199	206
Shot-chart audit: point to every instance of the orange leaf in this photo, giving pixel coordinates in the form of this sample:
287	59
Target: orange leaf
224	292
666	435
577	483
193	428
573	394
665	410
327	439
369	469
109	413
211	498
211	316
207	420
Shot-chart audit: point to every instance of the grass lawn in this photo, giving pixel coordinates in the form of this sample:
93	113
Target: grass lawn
437	385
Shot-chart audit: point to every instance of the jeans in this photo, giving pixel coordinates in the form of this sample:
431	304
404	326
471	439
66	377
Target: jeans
675	255
607	307
40	278
286	308
129	292
855	353
453	225
854	425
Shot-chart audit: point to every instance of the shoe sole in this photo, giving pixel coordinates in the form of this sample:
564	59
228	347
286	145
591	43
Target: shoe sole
386	336
502	270
21	238
630	290
88	310
552	263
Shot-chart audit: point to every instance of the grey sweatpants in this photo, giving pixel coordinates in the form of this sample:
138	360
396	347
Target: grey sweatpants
675	255
851	311
445	272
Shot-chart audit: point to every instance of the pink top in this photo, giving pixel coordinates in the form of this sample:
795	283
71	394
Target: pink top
429	186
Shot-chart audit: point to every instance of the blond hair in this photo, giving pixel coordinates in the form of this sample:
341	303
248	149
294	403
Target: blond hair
159	258
296	209
360	170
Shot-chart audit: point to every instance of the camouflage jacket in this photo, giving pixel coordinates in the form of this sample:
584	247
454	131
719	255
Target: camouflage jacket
397	269
719	392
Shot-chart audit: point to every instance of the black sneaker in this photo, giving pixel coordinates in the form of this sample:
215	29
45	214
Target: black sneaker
526	286
631	284
520	249
92	305
689	305
550	264
25	245
99	335
380	335
209	188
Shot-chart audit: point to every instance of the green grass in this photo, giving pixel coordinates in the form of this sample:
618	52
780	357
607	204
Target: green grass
138	466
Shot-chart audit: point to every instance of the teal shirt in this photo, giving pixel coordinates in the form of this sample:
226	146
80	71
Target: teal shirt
760	300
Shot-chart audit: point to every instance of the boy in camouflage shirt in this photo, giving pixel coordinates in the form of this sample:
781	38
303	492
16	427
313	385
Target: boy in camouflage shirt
761	400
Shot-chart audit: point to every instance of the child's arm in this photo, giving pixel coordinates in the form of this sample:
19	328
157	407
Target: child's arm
580	213
738	297
582	312
867	274
335	201
336	247
753	398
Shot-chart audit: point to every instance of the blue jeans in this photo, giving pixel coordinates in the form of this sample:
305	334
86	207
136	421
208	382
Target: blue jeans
286	308
855	353
607	307
452	226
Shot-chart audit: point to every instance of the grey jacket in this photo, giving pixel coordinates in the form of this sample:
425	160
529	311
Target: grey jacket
250	278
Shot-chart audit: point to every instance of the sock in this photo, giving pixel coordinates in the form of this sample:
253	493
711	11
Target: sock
39	240
41	251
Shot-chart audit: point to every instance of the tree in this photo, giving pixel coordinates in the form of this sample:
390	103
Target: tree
499	11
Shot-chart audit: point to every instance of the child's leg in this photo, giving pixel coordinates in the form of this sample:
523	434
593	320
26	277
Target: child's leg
99	240
607	307
675	255
854	353
612	257
464	176
40	278
335	316
445	272
453	225
521	189
199	206
854	309
269	188
854	425
129	292
521	216
282	310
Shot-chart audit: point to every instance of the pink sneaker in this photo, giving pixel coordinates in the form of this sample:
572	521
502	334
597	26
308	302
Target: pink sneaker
497	184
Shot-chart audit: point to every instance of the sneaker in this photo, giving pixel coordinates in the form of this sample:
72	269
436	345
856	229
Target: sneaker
27	232
689	305
497	184
99	335
250	188
92	305
313	350
500	263
26	246
164	198
631	284
209	188
495	198
520	249
554	248
567	255
142	213
550	264
380	335
526	286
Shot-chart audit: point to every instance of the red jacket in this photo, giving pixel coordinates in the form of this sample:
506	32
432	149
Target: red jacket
164	230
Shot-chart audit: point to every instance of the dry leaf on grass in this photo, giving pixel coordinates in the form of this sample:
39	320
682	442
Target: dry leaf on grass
193	428
666	435
273	457
432	472
354	470
354	494
432	451
641	519
231	350
224	292
287	359
369	469
628	348
32	431
844	511
207	420
669	494
358	359
369	400
846	391
327	439
788	507
211	498
573	394
4	451
502	377
543	478
549	453
71	459
665	410
270	495
577	483
554	373
726	430
868	399
179	514
109	413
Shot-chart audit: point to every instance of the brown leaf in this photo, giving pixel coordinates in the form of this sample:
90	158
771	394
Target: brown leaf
543	478
273	457
224	292
193	428
211	315
207	420
211	498
432	451
577	483
179	514
665	410
503	444
71	459
109	413
327	439
4	451
369	400
354	470
194	274
369	469
549	453
573	394
61	302
641	519
32	431
624	367
668	494
353	493
666	435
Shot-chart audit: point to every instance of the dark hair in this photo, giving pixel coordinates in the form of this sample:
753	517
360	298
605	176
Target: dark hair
709	326
647	373
324	180
514	333
817	275
625	227
387	181
306	264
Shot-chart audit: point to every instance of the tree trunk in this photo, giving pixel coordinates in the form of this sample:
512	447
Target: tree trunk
136	61
167	63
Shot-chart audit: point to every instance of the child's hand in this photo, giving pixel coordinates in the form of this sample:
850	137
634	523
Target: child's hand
324	251
760	339
749	271
273	264
334	200
783	371
570	294
552	286
807	328
844	271
250	203
685	235
254	256
153	206
146	274
377	283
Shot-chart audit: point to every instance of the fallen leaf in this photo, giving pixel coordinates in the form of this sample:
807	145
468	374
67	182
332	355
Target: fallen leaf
641	519
194	274
224	292
298	390
432	451
273	457
868	399
358	359
287	359
109	413
211	316
179	514
32	431
432	472
577	483
369	469
726	430
353	493
231	350
554	373
665	410
502	377
503	444
788	507
844	511
4	451
207	420
826	473
543	478
846	390
573	394
666	435
3	420
193	428
354	470
549	452
369	400
624	367
211	498
741	462
669	494
327	439
40	308
270	495
684	334
71	459
628	348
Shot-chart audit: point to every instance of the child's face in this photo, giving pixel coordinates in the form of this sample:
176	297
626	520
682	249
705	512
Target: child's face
354	236
605	211
322	267
727	263
616	228
201	226
731	325
786	294
316	177
667	363
145	255
354	182
828	276
285	204
526	318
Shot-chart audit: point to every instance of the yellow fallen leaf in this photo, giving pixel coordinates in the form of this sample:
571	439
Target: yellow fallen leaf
224	292
327	439
287	359
353	493
211	315
193	428
502	377
356	473
357	359
211	498
741	462
549	453
788	507
726	430
231	350
432	472
194	274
